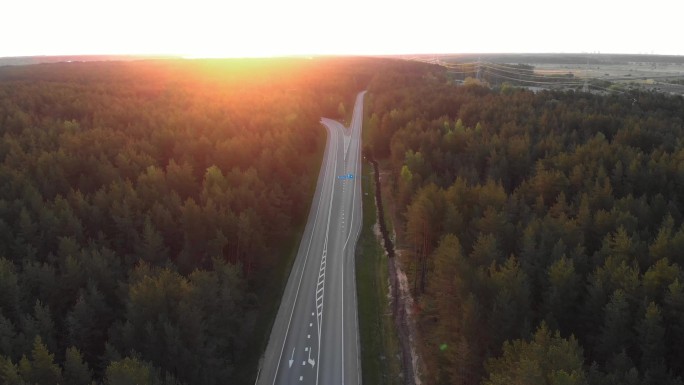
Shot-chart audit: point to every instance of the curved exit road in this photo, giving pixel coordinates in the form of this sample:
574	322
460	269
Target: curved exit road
315	338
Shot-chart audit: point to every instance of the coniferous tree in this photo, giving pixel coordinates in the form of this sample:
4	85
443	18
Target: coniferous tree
76	371
9	372
546	359
42	369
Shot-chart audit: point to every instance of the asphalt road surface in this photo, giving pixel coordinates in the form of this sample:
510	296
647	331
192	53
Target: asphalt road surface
315	337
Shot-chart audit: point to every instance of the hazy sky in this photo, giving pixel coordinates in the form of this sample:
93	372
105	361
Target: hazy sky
277	27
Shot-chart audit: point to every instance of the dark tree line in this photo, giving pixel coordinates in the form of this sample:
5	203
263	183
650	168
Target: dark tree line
142	203
544	231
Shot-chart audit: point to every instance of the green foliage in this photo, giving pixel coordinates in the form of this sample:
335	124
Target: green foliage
128	371
561	300
175	321
567	208
133	371
616	333
76	371
9	372
652	338
41	369
142	204
546	359
9	288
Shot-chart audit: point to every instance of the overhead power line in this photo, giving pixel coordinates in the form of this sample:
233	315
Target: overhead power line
515	68
535	81
521	74
462	73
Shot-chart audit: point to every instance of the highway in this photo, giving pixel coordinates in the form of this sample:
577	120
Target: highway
315	337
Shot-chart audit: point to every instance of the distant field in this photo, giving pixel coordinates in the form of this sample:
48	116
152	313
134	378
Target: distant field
651	72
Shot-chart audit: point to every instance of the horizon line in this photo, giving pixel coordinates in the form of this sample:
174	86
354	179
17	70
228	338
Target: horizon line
265	56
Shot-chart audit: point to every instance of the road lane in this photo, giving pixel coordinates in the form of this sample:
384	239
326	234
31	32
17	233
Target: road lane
314	339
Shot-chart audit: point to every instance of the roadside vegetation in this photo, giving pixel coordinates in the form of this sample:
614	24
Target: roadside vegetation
381	363
543	231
